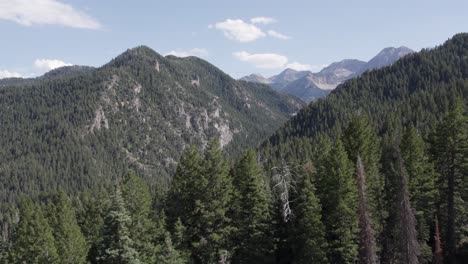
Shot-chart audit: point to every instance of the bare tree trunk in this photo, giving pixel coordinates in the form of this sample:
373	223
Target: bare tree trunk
284	183
438	245
367	248
409	247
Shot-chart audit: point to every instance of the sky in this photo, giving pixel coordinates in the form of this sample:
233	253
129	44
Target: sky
240	37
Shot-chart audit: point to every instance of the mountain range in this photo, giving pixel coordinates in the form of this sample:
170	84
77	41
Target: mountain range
77	127
310	86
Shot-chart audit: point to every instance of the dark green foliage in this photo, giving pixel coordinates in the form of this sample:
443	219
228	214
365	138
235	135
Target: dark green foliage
251	213
116	245
69	241
33	241
421	186
201	195
141	227
73	128
309	242
337	191
360	140
377	106
450	154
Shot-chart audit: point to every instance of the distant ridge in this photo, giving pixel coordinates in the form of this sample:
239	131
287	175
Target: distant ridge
313	86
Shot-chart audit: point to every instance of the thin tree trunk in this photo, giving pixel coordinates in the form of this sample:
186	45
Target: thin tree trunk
367	246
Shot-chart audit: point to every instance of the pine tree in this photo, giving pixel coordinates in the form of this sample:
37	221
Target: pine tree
168	254
138	203
450	153
421	186
69	241
116	245
200	195
337	192
214	223
408	247
360	139
33	241
367	245
390	170
251	215
309	243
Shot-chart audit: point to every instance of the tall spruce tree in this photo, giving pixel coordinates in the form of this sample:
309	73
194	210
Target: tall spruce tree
309	242
336	187
138	203
360	139
200	196
450	154
251	215
421	186
69	240
214	222
116	245
33	241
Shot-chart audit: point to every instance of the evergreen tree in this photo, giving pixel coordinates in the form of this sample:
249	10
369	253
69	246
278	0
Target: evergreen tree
309	243
337	192
421	186
390	165
116	245
91	209
138	203
450	153
200	195
360	139
251	215
213	224
69	241
168	254
33	241
367	247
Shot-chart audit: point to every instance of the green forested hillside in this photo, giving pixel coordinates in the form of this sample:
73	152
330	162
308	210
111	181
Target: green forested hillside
374	173
408	124
415	90
80	127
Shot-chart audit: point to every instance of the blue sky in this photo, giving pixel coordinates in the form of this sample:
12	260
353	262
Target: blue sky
240	37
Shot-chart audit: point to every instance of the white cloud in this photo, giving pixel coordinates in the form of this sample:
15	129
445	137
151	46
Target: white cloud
45	65
278	35
262	60
9	74
305	67
45	12
299	66
262	20
186	53
239	30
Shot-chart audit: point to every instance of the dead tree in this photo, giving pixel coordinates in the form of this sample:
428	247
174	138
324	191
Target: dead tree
408	241
367	253
284	182
437	243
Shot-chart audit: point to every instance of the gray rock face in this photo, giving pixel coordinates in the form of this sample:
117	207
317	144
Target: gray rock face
310	86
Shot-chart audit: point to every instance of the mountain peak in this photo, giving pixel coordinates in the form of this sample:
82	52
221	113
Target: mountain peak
256	78
138	53
387	56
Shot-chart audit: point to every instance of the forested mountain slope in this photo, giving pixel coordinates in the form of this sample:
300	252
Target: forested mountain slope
405	127
416	89
79	127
